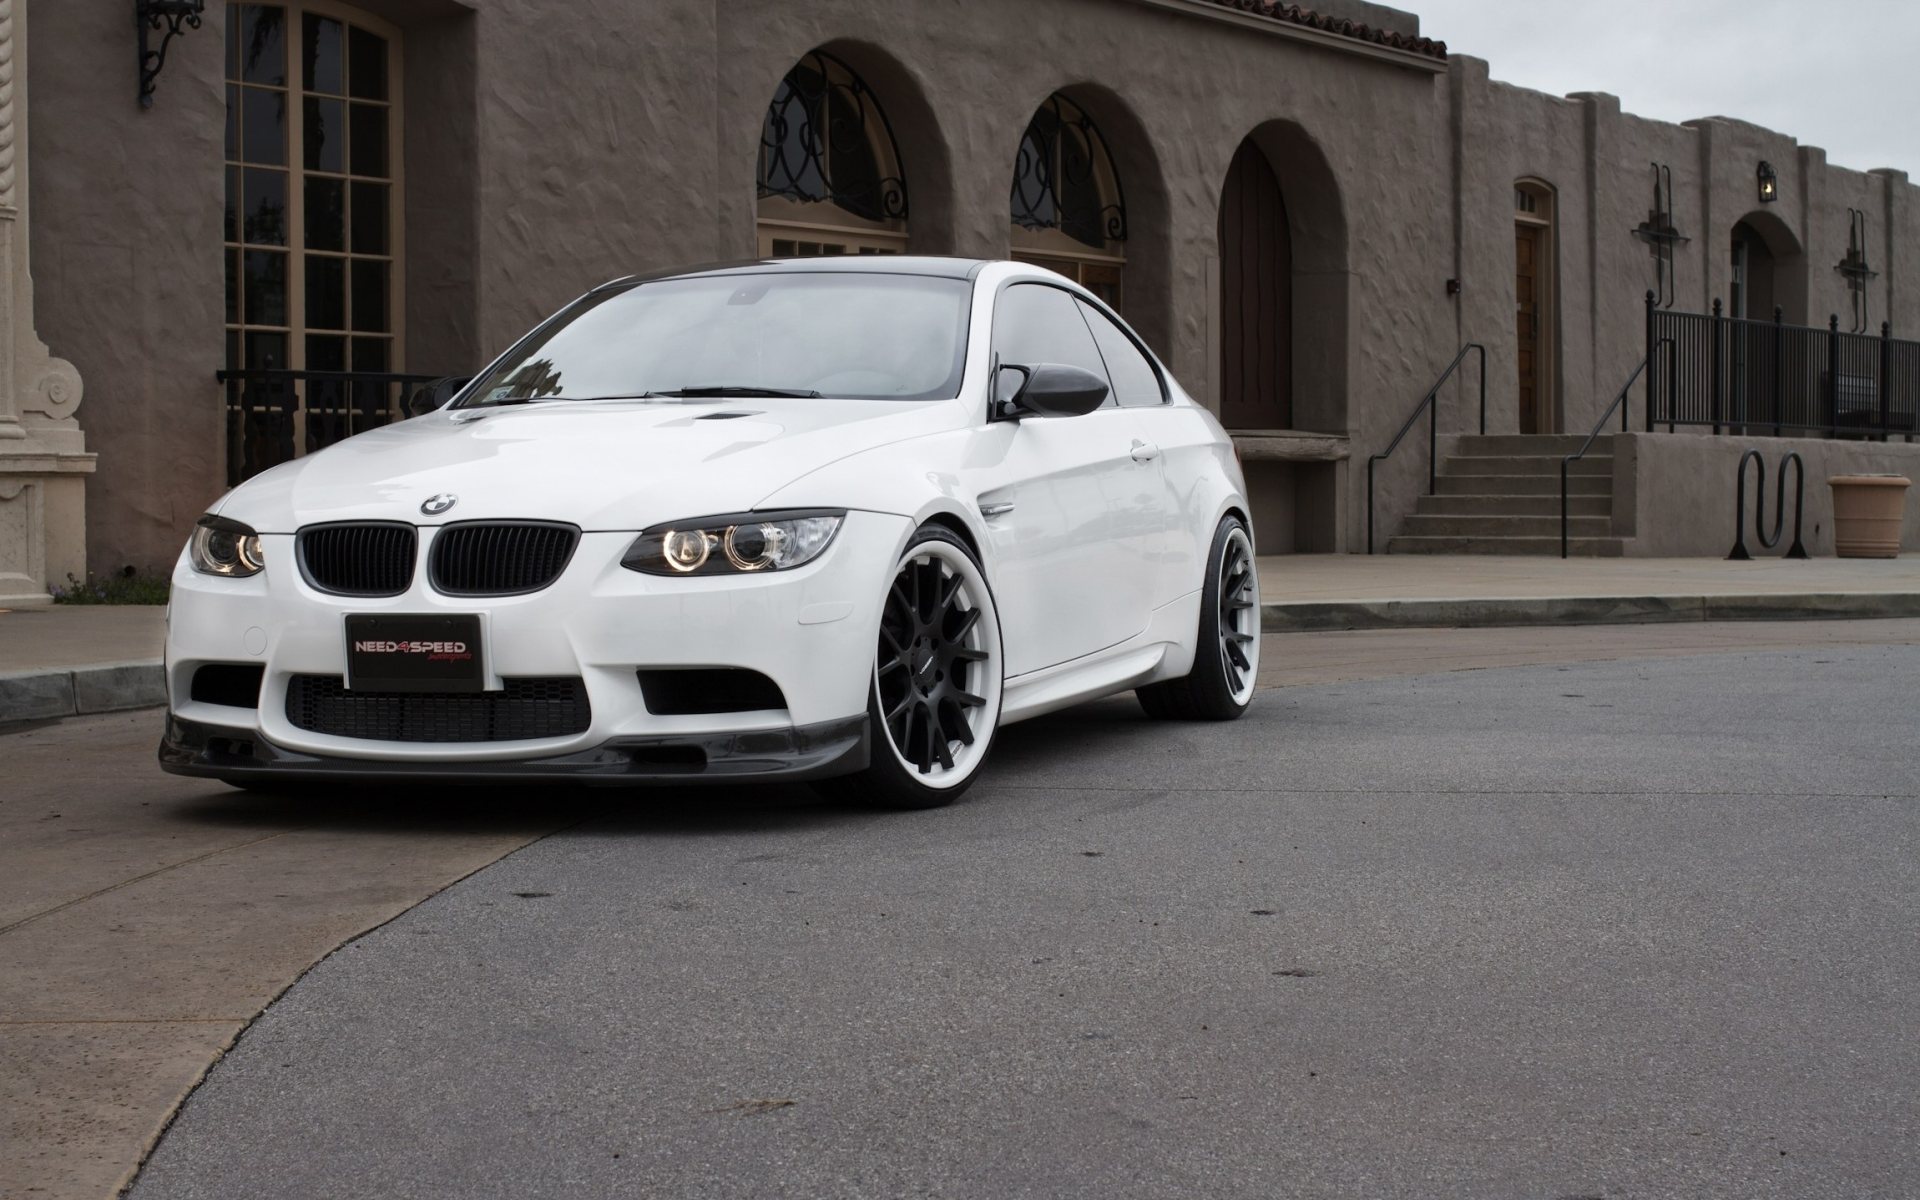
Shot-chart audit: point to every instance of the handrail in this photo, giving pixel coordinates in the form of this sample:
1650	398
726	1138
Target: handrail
1587	445
1429	402
1739	552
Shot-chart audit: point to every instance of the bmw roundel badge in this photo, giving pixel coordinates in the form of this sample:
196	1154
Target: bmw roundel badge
433	506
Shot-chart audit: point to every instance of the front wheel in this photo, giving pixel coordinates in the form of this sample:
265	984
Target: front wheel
933	700
1226	656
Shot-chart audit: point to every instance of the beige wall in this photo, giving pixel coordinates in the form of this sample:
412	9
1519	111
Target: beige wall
550	147
1674	494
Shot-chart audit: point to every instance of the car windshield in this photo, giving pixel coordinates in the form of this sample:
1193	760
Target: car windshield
856	335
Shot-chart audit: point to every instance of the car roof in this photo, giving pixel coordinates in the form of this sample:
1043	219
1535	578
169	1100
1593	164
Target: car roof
865	264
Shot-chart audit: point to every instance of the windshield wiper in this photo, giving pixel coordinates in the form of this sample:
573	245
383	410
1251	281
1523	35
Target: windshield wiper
734	390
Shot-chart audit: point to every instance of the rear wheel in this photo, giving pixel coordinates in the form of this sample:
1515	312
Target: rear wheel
933	700
1226	657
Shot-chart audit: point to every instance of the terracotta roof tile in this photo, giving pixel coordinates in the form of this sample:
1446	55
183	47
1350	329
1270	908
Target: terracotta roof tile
1295	15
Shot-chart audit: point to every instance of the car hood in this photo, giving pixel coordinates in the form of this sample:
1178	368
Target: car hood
601	465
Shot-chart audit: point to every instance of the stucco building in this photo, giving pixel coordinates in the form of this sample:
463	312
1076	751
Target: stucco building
1307	214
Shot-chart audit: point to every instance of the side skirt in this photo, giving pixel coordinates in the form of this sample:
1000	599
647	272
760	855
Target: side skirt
1163	650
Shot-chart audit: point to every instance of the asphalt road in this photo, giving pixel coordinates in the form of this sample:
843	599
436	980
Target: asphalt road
1631	929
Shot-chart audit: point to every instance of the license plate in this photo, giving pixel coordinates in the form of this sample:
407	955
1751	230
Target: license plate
414	653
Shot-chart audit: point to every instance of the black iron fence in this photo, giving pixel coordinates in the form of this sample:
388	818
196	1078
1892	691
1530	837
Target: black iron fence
272	413
1743	376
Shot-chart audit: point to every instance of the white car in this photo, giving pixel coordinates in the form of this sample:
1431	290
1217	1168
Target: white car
823	519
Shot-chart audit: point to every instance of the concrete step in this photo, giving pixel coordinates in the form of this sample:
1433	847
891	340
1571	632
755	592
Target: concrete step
1555	444
1444	525
1595	547
1524	485
1595	463
1544	504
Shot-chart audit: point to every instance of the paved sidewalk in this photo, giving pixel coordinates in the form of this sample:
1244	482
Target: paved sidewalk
66	661
1357	591
71	660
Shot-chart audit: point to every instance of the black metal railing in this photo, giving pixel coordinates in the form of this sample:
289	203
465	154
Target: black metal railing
1752	377
1619	405
1430	404
274	414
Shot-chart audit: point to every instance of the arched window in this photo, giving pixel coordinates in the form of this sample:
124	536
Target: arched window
312	222
830	177
1068	212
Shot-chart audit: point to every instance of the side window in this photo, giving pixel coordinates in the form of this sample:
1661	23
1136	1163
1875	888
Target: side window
1135	382
1034	323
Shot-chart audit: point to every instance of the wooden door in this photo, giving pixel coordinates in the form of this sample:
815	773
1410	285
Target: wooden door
1526	290
1256	297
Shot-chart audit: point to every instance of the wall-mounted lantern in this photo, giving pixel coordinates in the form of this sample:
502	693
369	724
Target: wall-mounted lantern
153	16
1769	183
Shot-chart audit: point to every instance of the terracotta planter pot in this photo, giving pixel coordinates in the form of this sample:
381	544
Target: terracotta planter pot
1866	514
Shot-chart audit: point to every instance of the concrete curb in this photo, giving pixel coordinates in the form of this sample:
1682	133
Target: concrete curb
1488	612
78	691
112	687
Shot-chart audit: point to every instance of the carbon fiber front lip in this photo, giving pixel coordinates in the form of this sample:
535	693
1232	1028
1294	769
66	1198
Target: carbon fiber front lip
792	755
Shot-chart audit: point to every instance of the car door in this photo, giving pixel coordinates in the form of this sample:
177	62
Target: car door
1057	495
1158	527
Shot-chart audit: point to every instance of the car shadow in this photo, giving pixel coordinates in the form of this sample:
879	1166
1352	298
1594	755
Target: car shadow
532	809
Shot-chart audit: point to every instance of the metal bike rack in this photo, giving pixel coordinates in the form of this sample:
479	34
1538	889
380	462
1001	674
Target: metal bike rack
1767	542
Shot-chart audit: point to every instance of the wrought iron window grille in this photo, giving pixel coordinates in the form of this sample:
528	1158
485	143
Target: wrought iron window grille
1057	177
1855	269
826	138
1658	232
153	16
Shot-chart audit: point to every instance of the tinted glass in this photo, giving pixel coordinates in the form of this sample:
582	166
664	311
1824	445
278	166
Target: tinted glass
366	65
322	70
263	124
370	295
265	289
326	292
1134	380
326	135
264	196
369	136
369	218
856	336
261	47
326	213
1034	323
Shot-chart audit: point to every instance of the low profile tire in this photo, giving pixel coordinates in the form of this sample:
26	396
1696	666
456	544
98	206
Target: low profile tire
1226	657
933	699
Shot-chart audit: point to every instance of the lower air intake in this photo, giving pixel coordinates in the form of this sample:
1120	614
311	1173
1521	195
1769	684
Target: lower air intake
527	709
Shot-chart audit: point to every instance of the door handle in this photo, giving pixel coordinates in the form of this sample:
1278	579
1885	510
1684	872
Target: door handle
1142	452
995	510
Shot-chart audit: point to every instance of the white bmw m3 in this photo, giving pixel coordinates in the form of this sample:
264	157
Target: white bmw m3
827	519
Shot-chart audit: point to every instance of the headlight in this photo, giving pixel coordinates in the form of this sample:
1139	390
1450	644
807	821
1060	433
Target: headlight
733	545
223	547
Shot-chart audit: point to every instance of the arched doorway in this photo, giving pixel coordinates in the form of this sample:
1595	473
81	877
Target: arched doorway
1279	329
1256	297
1766	277
830	180
1068	211
1535	293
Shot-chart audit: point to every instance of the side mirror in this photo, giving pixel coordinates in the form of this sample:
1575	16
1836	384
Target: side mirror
430	397
1047	390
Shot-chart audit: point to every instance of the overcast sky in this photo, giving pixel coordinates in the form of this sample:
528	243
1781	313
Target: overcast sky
1838	74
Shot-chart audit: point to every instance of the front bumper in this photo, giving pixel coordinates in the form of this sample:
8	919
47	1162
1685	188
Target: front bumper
810	630
792	755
